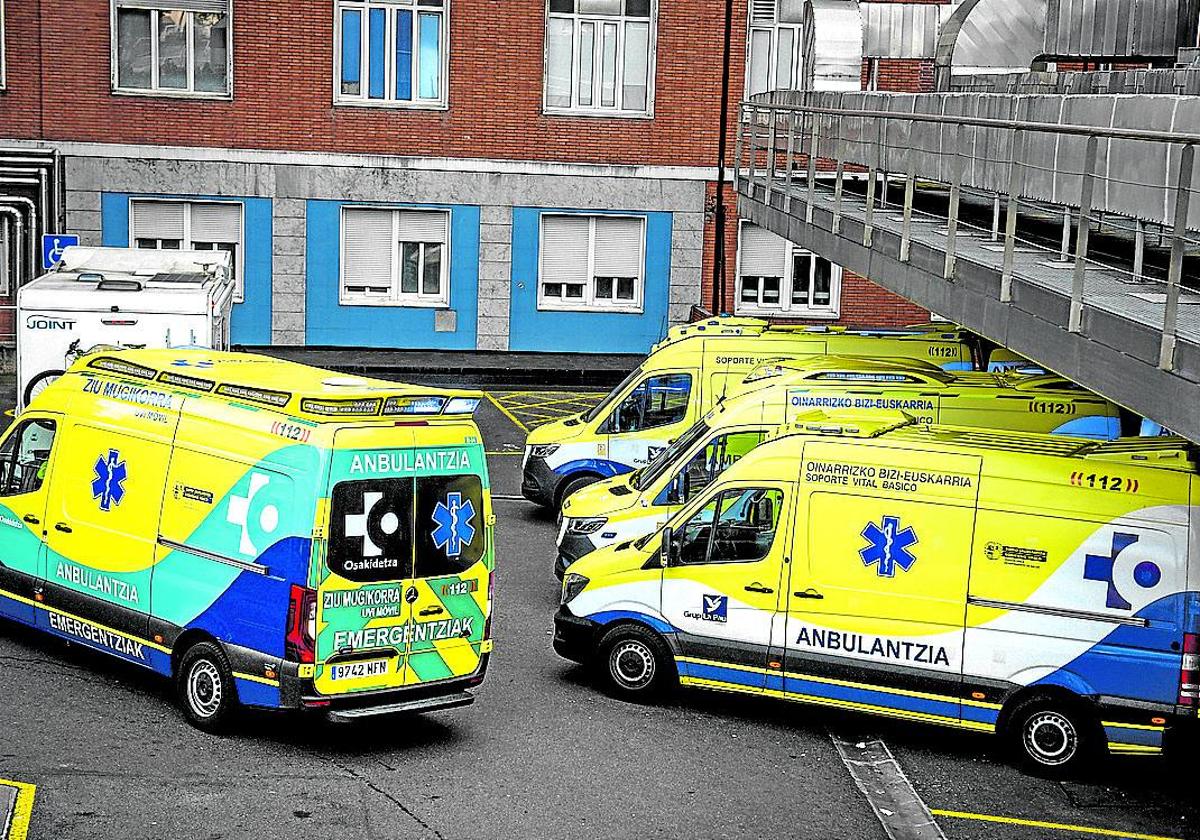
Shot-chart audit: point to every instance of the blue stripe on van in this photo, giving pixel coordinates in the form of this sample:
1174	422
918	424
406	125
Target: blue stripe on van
253	693
609	616
601	466
1095	426
1131	735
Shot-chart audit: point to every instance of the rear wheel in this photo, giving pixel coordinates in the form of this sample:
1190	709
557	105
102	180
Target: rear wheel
39	383
634	663
1052	737
204	686
571	485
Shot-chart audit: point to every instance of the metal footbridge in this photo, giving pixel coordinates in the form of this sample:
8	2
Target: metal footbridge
1061	226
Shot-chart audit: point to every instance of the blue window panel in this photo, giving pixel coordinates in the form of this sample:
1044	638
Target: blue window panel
351	49
377	53
404	55
430	63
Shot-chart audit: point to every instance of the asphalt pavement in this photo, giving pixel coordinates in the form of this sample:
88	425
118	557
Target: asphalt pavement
540	754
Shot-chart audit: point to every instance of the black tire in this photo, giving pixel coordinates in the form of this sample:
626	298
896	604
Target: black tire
634	663
571	485
39	382
1053	737
204	687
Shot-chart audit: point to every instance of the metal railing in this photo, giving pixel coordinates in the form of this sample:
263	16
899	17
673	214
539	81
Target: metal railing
816	148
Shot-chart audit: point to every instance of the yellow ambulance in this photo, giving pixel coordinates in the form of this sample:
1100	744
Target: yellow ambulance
264	533
684	376
630	505
1043	588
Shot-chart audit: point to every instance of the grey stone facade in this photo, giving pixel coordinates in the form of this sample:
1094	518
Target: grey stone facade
289	185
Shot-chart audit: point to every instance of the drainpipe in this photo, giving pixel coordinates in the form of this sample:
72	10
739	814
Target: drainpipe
17	225
719	211
31	233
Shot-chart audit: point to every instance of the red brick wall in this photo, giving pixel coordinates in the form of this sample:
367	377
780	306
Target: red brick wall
901	75
866	305
283	88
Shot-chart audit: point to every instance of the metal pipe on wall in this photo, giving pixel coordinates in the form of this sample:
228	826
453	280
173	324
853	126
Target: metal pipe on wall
8	202
18	224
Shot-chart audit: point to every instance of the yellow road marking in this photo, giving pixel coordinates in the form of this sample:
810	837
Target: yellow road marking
1078	829
18	827
507	413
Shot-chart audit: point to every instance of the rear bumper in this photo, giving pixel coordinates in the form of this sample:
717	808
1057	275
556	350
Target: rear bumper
539	482
418	698
574	637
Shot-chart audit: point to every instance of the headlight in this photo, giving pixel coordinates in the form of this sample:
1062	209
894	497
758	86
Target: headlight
586	524
573	584
543	450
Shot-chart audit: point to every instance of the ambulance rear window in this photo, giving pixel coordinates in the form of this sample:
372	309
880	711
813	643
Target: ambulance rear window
398	528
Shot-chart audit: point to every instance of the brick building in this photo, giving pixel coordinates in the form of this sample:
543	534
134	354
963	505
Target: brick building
444	174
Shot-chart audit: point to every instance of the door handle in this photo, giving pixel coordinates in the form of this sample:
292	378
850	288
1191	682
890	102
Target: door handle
809	593
31	519
755	587
63	526
432	611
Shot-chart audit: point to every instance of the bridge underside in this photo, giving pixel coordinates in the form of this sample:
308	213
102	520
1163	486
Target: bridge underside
1115	352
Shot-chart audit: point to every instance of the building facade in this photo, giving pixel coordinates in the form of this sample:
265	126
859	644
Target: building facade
441	174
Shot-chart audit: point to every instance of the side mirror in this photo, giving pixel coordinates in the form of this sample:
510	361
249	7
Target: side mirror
668	546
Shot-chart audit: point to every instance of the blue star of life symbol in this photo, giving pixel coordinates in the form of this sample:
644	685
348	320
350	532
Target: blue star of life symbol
109	484
889	546
453	519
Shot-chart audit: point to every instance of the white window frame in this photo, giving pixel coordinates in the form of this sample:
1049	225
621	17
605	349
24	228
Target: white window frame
786	308
589	302
239	274
577	110
773	30
154	89
362	100
394	297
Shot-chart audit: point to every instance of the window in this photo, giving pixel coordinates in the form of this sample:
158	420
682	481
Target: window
776	277
592	262
774	55
657	401
24	456
2	56
395	257
600	56
178	47
736	526
391	52
720	453
190	226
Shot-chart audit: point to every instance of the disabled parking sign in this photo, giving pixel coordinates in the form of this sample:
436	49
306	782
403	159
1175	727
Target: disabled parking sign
53	245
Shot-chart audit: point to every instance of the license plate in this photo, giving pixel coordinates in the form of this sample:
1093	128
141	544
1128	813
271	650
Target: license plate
359	670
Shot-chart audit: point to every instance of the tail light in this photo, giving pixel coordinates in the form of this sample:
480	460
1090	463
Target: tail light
491	601
1189	671
301	644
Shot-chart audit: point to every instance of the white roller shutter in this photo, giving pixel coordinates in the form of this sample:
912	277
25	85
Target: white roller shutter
367	248
619	247
763	254
212	222
565	249
219	6
157	219
422	226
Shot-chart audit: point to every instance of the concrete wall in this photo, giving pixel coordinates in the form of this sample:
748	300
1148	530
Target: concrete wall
290	186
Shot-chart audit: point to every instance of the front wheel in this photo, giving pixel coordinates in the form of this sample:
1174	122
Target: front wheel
204	686
1051	737
634	663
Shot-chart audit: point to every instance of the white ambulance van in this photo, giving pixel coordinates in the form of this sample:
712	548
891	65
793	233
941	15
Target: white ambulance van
119	297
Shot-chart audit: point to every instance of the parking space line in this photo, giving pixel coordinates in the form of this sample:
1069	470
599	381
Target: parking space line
507	413
15	816
1077	829
901	812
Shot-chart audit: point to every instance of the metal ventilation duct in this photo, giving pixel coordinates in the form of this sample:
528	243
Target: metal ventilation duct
1007	36
902	30
833	45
